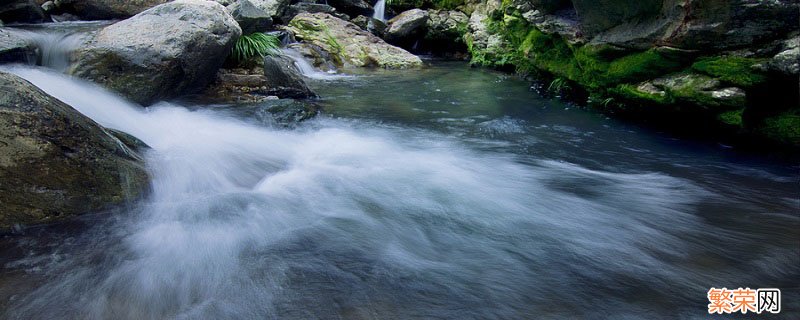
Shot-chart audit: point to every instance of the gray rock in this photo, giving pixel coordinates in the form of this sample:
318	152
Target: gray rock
347	44
787	61
297	8
445	25
318	57
352	8
563	22
686	24
168	50
106	9
700	90
406	25
21	11
274	8
283	79
250	17
374	26
14	48
55	162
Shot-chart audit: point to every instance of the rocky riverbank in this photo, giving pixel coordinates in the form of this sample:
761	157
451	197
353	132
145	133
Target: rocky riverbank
728	66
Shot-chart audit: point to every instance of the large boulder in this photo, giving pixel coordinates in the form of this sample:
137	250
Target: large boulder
14	48
169	50
106	9
691	25
406	26
56	162
447	26
352	8
348	44
250	17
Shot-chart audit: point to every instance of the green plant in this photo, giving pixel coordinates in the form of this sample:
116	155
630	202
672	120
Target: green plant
255	45
558	85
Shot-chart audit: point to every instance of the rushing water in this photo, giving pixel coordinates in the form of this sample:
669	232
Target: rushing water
380	10
447	192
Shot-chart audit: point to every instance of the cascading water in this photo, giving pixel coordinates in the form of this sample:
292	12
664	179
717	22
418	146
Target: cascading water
55	42
308	70
349	218
380	10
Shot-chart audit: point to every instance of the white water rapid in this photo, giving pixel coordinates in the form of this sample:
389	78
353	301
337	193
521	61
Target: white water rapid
342	218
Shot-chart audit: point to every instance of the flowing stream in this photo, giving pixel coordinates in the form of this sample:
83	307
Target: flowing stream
441	193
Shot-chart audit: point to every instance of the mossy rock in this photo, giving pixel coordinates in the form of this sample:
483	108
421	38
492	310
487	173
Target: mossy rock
737	71
784	127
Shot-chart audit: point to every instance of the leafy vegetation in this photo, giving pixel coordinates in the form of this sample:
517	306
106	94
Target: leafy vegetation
254	45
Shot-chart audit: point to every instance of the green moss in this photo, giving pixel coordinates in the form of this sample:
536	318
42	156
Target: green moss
784	128
446	4
733	118
734	70
631	92
639	66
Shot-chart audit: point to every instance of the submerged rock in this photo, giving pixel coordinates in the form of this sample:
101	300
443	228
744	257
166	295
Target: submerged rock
56	162
166	51
14	48
349	45
106	9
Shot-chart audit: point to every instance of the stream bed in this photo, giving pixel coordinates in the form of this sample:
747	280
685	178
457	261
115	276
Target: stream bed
441	193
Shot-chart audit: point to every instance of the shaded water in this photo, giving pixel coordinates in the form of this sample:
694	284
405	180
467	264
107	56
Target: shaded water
447	193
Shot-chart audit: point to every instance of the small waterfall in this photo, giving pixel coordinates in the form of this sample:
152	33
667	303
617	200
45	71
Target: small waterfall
53	48
380	10
308	70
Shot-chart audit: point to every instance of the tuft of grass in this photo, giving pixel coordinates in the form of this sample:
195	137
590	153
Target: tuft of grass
254	45
734	70
558	85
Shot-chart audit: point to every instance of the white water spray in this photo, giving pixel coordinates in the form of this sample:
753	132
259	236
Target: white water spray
380	10
308	70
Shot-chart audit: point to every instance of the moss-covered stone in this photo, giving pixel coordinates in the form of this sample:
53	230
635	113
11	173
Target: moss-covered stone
735	70
784	127
347	44
732	118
